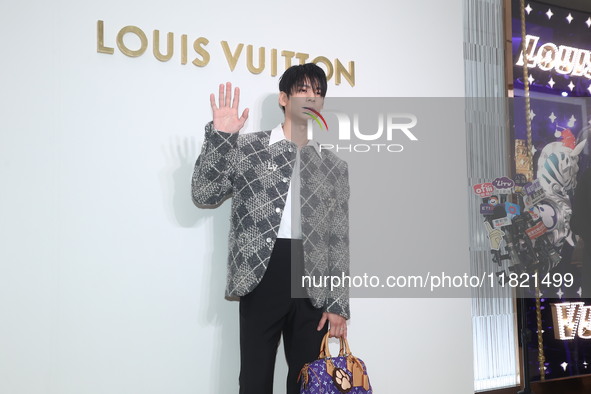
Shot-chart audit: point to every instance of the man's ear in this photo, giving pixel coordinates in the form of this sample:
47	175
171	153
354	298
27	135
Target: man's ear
283	99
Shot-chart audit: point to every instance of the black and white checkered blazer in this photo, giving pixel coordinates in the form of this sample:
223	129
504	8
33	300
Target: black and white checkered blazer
257	176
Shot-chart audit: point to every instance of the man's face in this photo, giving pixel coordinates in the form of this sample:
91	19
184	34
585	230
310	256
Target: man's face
303	95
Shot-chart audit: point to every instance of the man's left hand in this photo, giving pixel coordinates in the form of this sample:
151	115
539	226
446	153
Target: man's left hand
337	325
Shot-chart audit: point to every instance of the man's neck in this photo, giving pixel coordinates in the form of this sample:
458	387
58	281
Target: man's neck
296	133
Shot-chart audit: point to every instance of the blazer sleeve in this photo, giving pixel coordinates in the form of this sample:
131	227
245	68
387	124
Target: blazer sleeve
213	177
338	256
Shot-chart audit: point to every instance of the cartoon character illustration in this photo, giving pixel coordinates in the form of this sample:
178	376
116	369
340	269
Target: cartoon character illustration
557	173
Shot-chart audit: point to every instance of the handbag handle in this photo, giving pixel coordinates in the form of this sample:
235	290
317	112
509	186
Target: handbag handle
325	351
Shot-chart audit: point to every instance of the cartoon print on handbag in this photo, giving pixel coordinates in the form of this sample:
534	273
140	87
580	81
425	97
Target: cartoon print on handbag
345	373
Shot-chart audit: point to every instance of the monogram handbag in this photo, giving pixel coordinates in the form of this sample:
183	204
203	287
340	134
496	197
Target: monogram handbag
343	374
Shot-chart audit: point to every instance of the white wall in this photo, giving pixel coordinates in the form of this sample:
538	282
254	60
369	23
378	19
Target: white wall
111	281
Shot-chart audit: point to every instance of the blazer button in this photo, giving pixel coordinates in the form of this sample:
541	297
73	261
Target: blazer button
285	180
278	210
269	239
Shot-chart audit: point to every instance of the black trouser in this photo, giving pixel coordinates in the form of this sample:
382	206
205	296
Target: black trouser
267	312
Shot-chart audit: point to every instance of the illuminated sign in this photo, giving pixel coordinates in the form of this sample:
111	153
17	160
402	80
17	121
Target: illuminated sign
561	58
571	319
556	50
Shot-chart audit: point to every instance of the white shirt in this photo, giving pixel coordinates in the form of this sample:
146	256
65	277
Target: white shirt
291	225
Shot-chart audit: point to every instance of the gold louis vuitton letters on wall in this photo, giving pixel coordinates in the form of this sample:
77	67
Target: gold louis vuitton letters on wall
267	60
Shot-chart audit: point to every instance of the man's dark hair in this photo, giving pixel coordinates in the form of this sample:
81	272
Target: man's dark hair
296	76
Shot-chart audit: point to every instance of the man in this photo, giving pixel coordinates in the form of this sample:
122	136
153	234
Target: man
289	214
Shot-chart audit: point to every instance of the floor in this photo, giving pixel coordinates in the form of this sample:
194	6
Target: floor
574	385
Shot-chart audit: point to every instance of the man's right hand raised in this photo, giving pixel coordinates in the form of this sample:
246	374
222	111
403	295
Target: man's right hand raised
225	116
